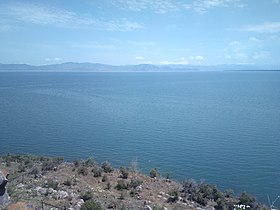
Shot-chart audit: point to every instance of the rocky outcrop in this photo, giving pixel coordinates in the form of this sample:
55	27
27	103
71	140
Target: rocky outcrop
4	197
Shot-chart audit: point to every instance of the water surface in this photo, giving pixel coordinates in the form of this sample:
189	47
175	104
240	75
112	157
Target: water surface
222	127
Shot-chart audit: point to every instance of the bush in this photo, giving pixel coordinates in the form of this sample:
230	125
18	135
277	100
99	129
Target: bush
48	165
229	193
90	162
174	196
97	172
107	168
108	186
104	178
52	184
124	172
247	199
21	168
35	171
91	205
221	204
122	185
210	191
77	163
122	196
135	183
67	182
133	192
87	196
154	173
83	170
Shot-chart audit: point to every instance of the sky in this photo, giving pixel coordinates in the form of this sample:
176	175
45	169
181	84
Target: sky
124	32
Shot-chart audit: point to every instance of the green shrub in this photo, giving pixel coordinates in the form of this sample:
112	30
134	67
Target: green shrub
108	186
97	171
221	204
90	162
87	195
174	196
229	193
122	185
83	170
133	192
35	171
21	168
247	199
52	184
68	182
91	205
122	196
107	168
77	163
158	208
154	173
124	172
135	183
48	165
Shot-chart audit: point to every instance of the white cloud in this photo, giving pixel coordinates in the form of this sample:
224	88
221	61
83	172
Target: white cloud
254	39
181	61
202	6
158	6
139	58
197	58
165	6
53	59
45	15
185	61
268	27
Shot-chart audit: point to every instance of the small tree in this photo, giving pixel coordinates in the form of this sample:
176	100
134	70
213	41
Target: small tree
83	170
107	168
91	205
122	185
124	172
97	172
154	173
246	199
87	195
90	162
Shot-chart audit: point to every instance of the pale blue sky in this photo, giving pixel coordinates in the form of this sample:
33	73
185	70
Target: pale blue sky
121	32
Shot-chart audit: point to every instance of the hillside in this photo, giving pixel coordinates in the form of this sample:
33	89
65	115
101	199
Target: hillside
97	67
51	183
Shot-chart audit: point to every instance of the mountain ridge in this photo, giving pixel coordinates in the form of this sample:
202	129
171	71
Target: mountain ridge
99	67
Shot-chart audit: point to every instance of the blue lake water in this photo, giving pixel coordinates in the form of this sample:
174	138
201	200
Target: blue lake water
222	127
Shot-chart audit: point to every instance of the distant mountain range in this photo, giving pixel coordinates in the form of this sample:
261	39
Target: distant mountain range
97	67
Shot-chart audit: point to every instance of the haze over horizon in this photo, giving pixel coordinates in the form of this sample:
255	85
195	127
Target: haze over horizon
130	32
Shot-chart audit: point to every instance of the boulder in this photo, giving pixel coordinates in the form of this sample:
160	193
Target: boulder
4	197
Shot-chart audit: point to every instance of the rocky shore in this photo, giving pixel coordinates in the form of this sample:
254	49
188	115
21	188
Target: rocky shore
36	182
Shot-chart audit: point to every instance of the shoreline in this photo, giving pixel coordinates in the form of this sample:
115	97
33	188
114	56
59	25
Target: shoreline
40	180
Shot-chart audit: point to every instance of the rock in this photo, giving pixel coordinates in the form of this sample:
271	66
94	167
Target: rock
41	190
147	207
79	204
20	185
112	206
62	194
4	197
139	188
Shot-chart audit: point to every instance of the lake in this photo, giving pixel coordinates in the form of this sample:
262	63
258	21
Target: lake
221	127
